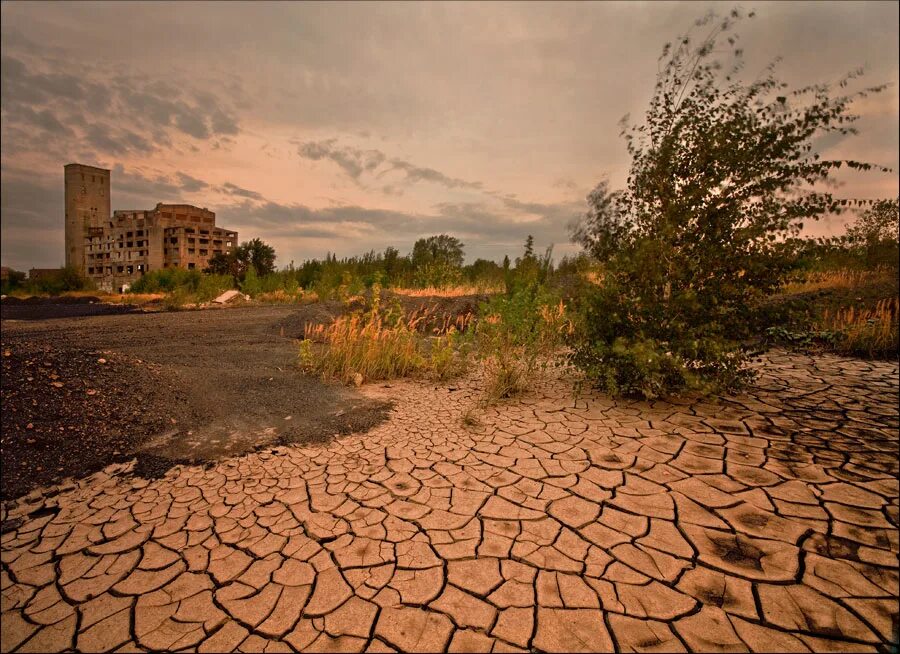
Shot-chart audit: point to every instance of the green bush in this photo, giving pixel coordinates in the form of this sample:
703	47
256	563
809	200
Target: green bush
706	227
212	286
166	280
186	283
60	281
518	333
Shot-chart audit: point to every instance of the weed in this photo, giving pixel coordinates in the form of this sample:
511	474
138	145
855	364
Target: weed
518	335
470	417
175	300
865	332
382	343
451	291
843	278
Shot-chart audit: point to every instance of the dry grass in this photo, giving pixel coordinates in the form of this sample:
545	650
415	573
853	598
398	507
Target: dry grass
375	346
132	298
867	332
282	296
512	358
453	291
840	279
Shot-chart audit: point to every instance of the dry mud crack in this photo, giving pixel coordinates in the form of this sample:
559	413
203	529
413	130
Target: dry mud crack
764	522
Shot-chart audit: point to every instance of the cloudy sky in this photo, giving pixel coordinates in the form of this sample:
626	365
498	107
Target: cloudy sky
344	127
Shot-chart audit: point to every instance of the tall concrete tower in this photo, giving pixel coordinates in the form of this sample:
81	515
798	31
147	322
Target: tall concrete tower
87	206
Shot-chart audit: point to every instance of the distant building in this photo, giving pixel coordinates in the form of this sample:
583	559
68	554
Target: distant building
116	249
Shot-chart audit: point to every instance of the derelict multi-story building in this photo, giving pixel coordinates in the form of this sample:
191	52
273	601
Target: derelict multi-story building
115	249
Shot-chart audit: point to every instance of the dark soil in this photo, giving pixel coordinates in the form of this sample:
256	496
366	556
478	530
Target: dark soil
187	386
45	308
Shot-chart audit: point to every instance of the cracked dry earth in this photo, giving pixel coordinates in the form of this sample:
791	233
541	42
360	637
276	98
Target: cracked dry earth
764	522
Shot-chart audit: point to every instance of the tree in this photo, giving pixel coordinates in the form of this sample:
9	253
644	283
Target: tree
876	230
442	248
723	173
253	253
437	260
484	272
14	280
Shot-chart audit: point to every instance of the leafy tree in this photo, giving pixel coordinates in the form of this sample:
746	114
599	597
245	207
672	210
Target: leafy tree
529	246
15	279
723	173
253	253
484	271
437	260
875	232
530	271
442	248
391	264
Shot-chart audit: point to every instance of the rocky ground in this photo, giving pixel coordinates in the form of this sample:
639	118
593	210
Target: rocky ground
763	522
84	386
172	387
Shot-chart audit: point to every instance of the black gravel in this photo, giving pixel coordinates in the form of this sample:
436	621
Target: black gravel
191	386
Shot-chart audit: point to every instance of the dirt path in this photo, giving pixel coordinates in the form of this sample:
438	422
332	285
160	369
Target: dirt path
182	386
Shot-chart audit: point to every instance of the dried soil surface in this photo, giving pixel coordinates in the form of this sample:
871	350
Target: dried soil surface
174	387
762	522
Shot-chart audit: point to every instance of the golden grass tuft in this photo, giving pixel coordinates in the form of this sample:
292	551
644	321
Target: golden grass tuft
376	346
867	332
839	279
452	291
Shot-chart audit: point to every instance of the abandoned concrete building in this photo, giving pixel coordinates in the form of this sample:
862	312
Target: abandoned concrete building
114	249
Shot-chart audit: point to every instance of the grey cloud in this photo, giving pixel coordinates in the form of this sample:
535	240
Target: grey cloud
32	202
421	174
190	184
232	189
487	231
138	189
107	138
65	103
352	161
32	208
223	122
553	211
355	161
192	124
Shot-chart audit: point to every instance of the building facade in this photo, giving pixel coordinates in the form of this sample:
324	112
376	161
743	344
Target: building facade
116	249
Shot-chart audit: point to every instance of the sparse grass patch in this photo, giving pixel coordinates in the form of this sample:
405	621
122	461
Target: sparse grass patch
518	335
858	331
843	278
865	332
452	291
381	344
282	296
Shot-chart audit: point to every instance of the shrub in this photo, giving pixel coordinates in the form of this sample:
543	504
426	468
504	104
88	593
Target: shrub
516	334
16	280
212	286
60	281
723	175
167	280
176	299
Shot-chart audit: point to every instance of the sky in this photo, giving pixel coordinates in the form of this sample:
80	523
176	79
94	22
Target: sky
344	127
